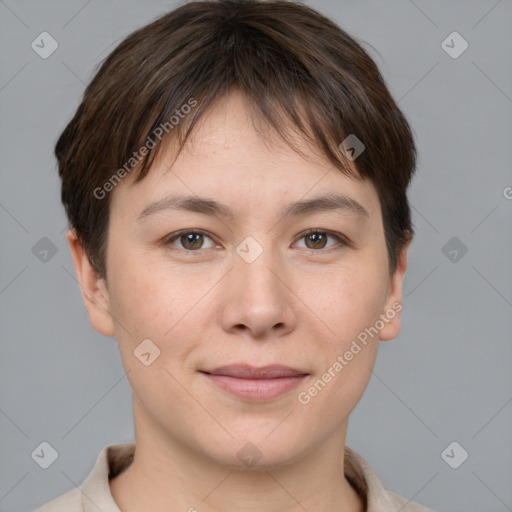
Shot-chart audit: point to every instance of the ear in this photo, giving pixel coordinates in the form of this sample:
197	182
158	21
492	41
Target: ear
94	291
393	304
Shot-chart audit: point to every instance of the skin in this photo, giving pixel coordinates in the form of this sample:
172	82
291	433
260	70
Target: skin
294	305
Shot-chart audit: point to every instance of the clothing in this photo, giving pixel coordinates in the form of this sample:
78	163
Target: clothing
94	493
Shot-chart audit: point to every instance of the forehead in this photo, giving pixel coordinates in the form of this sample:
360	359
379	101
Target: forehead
232	156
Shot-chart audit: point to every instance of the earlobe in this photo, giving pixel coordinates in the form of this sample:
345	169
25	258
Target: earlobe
393	305
92	287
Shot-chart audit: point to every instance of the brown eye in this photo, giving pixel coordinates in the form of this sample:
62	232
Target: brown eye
192	240
317	240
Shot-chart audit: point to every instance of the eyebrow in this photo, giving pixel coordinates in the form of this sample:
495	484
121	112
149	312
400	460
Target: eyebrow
211	207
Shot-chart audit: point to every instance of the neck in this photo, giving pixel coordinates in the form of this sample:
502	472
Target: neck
165	471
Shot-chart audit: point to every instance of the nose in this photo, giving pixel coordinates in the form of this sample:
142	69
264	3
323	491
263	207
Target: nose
258	299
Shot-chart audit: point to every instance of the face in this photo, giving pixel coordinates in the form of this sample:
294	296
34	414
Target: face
244	284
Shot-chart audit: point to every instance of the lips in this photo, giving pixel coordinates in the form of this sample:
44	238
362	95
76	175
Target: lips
246	371
253	384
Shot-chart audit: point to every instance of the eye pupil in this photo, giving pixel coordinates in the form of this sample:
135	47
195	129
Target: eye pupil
191	240
317	239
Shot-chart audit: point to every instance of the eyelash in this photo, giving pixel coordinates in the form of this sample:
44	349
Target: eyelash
342	240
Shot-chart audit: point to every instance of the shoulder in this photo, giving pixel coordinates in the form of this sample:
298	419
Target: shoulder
94	492
405	505
70	501
366	482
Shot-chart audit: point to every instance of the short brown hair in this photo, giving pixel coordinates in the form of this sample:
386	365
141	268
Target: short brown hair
294	66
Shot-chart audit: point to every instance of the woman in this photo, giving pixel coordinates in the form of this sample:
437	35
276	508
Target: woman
235	180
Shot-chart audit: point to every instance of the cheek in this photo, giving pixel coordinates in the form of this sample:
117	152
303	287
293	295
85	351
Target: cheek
149	302
350	306
146	298
151	306
350	300
349	303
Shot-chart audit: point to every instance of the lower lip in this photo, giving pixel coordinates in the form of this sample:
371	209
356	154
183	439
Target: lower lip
256	389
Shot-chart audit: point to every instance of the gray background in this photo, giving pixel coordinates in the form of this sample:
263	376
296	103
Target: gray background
446	377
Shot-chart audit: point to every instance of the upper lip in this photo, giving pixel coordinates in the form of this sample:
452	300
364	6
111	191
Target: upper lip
246	371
